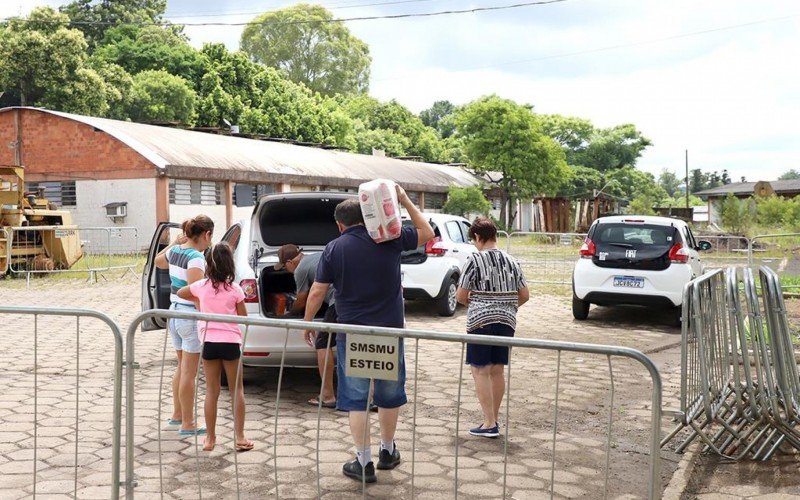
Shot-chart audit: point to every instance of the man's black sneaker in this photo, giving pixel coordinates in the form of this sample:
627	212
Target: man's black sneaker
353	469
491	432
388	460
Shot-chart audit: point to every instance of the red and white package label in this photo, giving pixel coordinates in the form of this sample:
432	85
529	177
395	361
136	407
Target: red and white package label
380	209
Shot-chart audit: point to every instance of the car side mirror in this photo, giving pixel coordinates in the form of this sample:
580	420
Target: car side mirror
703	245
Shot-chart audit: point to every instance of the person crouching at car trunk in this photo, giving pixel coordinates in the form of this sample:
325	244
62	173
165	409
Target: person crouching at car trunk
304	269
366	277
492	287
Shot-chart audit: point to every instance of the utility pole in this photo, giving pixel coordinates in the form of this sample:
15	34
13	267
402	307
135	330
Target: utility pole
687	179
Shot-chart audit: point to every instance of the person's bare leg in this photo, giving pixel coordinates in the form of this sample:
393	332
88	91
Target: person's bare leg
189	367
176	387
239	408
388	421
213	371
498	376
483	389
326	374
359	429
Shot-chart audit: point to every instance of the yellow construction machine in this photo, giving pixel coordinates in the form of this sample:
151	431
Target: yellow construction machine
34	235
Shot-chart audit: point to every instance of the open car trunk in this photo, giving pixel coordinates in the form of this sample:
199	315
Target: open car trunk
277	291
633	246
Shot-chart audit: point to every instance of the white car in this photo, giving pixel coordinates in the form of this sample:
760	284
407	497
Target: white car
305	219
431	272
635	260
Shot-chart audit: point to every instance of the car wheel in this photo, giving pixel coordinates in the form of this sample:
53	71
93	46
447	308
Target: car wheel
447	303
580	308
677	317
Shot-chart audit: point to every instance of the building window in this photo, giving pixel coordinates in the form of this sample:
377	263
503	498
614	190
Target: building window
194	192
246	195
414	197
435	201
61	193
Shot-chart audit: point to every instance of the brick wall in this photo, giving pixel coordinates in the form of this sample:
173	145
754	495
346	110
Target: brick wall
56	148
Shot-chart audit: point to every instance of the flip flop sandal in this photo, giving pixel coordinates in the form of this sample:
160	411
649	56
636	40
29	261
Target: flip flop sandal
172	421
325	404
192	432
242	447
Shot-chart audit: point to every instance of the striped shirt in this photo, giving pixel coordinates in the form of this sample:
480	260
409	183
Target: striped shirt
180	261
493	278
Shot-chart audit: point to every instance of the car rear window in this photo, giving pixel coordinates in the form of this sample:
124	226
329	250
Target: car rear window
634	234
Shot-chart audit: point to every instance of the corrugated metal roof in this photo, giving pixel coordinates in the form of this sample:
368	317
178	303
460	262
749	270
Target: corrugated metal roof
185	153
745	188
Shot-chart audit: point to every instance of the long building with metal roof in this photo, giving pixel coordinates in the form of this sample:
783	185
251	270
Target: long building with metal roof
87	164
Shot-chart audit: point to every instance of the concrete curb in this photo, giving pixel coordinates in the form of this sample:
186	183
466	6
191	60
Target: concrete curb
683	474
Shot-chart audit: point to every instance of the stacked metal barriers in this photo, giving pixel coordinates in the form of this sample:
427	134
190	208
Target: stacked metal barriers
740	391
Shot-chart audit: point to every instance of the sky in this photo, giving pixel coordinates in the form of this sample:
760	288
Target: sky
718	78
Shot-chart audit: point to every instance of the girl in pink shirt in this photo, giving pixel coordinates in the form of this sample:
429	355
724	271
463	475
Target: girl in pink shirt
218	294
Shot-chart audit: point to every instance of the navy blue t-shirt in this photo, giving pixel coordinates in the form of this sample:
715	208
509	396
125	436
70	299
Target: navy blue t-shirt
366	276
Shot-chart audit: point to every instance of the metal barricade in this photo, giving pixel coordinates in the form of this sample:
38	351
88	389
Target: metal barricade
273	473
55	446
80	252
546	258
739	379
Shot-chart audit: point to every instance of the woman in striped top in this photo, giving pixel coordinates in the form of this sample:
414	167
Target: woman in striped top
186	264
492	287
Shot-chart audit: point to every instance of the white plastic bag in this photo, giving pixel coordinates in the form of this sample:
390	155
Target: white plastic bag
380	209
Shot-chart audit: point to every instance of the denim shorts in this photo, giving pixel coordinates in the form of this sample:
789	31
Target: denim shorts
482	354
184	331
352	392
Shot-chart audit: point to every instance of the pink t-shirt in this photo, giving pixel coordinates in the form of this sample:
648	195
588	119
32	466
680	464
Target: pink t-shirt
220	301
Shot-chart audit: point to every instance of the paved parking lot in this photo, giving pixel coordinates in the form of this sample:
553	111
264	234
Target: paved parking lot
441	424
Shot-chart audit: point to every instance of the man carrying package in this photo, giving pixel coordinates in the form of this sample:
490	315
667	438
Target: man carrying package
366	277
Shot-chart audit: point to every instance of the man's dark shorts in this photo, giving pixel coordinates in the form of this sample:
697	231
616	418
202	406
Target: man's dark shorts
322	337
481	354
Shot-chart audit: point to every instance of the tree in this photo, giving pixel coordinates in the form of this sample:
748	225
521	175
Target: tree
138	49
438	118
94	17
789	175
504	143
581	182
304	43
463	201
86	93
698	181
629	183
157	96
669	182
571	132
613	148
392	127
737	215
39	55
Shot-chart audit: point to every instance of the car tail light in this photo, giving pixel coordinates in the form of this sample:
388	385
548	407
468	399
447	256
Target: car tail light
434	247
679	254
256	354
588	249
250	290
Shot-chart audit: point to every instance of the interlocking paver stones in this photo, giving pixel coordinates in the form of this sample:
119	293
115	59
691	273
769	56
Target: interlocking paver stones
583	406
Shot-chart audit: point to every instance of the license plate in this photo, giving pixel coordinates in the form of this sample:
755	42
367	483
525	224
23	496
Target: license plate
628	282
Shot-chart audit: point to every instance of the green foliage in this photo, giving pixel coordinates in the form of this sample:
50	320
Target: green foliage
94	18
466	200
679	201
778	212
392	127
699	180
669	182
737	215
439	117
151	48
157	96
118	87
38	56
85	93
322	55
601	149
581	182
789	175
642	205
629	183
504	141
